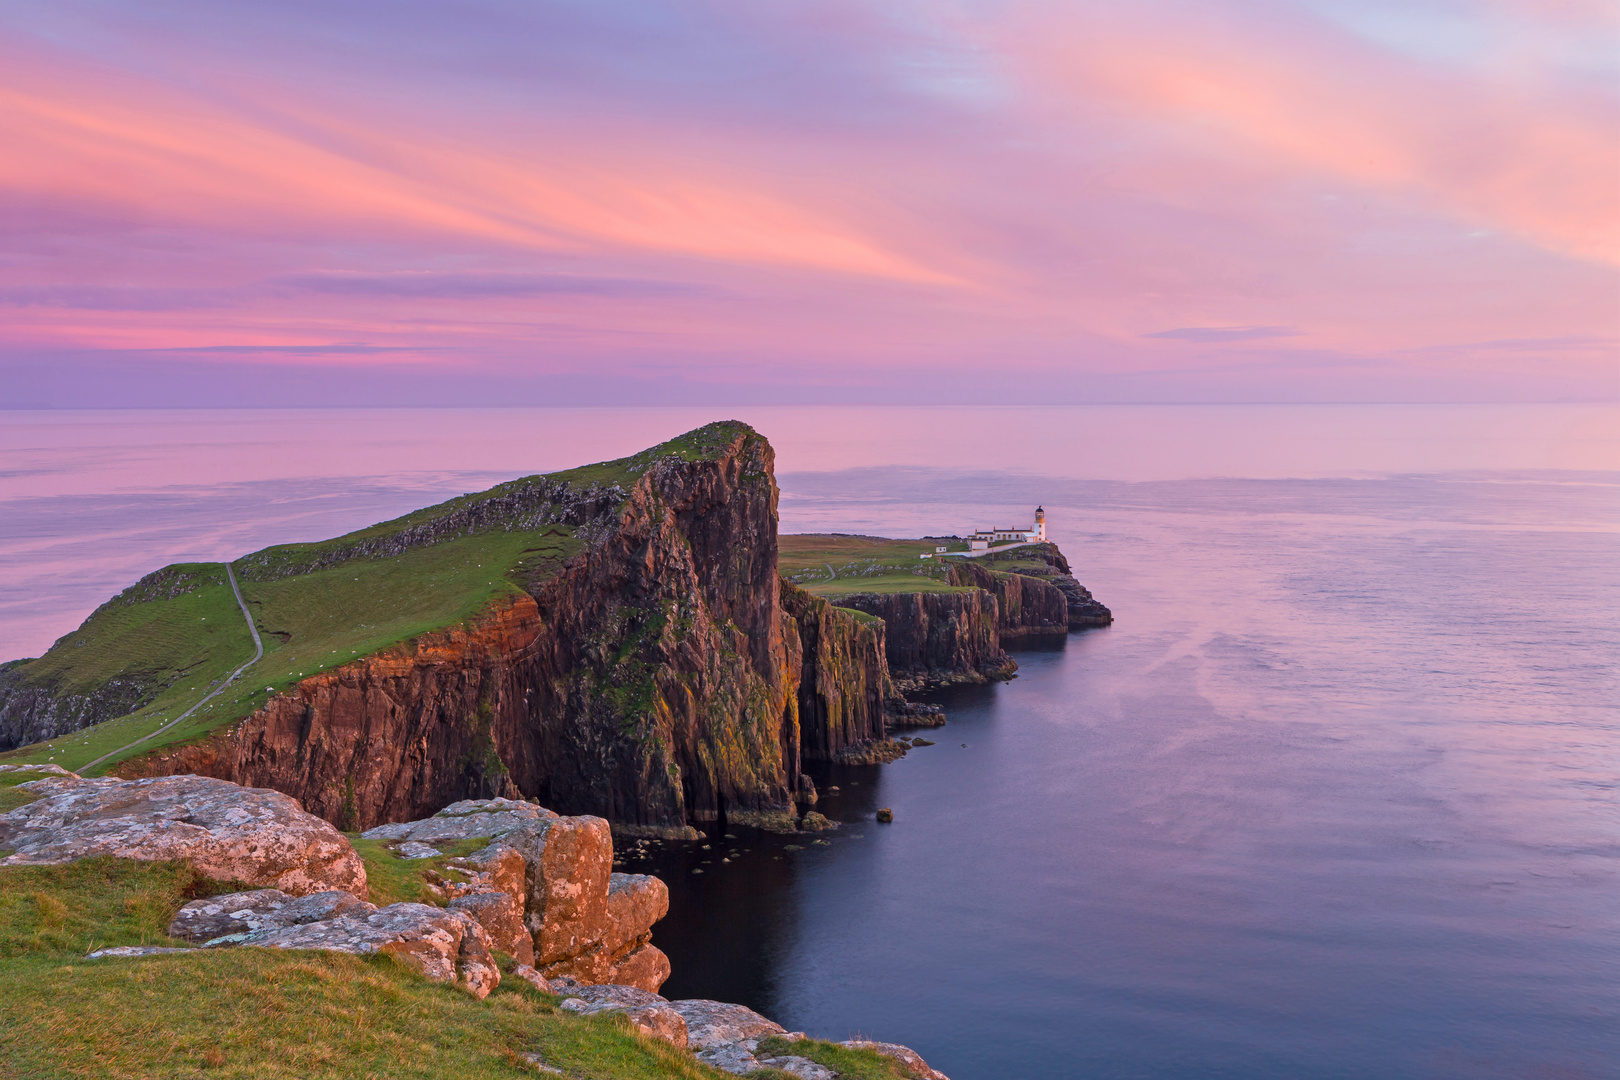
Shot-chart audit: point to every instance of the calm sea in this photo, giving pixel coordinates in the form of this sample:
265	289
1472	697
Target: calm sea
1338	795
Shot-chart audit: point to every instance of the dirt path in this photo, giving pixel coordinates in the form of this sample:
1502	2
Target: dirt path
258	651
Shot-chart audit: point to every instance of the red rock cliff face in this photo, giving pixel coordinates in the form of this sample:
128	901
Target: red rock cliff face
653	681
844	678
663	690
1026	607
382	738
938	637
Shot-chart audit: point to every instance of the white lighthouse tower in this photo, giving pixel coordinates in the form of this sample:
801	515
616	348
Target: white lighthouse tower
1038	533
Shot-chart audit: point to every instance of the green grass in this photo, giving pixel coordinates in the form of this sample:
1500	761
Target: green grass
309	623
154	640
882	583
830	565
394	880
257	1013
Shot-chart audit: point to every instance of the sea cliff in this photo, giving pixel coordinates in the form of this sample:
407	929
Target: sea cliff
616	640
649	680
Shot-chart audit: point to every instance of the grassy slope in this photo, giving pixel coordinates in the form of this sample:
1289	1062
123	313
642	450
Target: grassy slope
309	623
830	566
256	1013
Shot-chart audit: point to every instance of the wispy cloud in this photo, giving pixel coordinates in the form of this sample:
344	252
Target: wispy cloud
903	193
474	285
1224	333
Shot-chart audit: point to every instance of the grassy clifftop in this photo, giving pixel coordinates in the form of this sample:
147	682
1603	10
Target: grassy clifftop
159	646
835	564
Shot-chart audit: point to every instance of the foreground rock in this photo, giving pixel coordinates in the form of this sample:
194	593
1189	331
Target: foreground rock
445	946
231	918
468	819
41	771
711	1024
544	890
224	831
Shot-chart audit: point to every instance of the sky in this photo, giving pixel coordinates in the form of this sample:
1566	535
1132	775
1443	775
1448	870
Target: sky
537	202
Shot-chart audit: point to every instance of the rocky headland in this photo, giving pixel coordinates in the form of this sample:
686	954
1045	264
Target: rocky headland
645	661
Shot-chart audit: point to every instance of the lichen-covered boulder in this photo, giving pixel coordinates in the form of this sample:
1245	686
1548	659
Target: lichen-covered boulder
464	820
501	868
219	918
645	966
649	1014
582	920
658	1022
716	1023
225	831
501	916
446	946
41	771
588	998
570	860
634	903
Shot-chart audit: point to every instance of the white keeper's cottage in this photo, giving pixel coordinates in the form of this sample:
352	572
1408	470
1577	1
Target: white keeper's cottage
981	540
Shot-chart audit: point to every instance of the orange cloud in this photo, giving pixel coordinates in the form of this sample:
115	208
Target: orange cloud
1516	159
184	160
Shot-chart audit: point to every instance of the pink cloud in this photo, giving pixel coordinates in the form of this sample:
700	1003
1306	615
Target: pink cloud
1072	193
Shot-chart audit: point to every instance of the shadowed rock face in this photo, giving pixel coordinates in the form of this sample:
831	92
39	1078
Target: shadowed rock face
843	676
225	832
1026	607
938	637
1083	609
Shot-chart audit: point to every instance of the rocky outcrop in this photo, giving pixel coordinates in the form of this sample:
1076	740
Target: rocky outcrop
444	945
908	1058
843	678
223	919
649	1014
651	680
469	819
1084	611
938	637
544	891
224	831
1026	606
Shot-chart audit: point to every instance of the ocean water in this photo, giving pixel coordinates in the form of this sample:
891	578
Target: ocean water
1338	794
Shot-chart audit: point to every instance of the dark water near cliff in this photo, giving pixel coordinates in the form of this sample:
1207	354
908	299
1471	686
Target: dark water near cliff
1337	796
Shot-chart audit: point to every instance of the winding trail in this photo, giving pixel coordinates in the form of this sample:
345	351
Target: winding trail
258	651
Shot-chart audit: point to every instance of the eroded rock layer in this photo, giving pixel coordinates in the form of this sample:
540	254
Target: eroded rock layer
844	675
938	637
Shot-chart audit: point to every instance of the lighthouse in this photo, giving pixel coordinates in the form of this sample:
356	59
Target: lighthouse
1039	532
